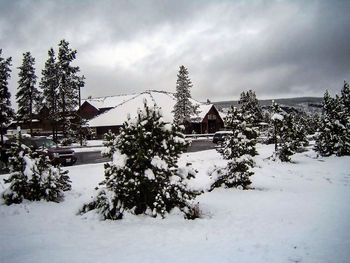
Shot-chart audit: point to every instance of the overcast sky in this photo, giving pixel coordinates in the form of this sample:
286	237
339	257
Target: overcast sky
276	48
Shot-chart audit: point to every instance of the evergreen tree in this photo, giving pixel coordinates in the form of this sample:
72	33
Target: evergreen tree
69	84
184	111
293	138
288	135
33	177
110	143
49	85
27	95
345	97
77	130
310	123
251	106
330	131
277	120
6	112
238	149
343	146
144	177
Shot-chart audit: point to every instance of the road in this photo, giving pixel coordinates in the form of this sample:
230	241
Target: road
95	156
201	145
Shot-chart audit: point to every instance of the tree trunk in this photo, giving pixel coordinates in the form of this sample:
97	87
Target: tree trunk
275	136
2	135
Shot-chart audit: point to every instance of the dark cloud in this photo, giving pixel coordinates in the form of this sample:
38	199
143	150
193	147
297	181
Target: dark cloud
277	48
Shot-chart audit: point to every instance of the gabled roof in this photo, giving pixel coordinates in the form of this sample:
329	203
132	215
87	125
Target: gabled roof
127	105
109	101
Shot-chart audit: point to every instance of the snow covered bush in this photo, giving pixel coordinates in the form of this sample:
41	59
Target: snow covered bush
143	177
238	149
33	177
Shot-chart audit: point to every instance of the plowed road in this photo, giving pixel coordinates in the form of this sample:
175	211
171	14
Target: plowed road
95	156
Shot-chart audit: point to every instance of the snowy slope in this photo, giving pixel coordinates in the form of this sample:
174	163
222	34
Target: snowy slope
298	212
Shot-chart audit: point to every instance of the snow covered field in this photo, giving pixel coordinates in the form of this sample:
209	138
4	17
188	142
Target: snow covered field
298	212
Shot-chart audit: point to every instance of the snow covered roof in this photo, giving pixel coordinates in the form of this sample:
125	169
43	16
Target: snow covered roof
125	105
110	101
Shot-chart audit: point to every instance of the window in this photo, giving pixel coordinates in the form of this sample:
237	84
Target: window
211	117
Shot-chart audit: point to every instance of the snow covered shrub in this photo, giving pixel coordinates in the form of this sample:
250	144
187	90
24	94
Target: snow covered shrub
143	177
238	149
33	177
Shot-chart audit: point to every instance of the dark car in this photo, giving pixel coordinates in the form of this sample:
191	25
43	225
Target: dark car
45	146
220	136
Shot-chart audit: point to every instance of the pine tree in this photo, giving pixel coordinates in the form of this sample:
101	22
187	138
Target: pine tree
310	123
49	85
238	149
27	96
69	84
288	135
251	106
277	120
6	112
293	138
144	177
33	177
184	111
110	143
343	146
77	129
328	138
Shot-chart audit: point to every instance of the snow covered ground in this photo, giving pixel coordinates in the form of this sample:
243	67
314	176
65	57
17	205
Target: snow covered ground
298	212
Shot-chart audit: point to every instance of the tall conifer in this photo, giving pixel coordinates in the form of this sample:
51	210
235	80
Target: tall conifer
49	85
69	84
184	111
6	112
27	95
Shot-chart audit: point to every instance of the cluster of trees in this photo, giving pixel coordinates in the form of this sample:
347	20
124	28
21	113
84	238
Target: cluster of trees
144	176
287	131
58	90
32	175
334	130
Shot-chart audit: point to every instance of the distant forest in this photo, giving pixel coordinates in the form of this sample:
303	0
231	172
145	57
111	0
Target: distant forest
315	102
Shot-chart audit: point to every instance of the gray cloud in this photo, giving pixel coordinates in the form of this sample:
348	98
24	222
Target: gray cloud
277	48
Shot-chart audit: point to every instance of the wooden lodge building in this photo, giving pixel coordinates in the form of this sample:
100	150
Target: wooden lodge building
109	113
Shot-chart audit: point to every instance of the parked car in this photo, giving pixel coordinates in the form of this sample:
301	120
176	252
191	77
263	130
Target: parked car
220	136
45	146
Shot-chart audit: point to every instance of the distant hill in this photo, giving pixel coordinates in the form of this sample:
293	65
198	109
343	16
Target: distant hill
308	104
